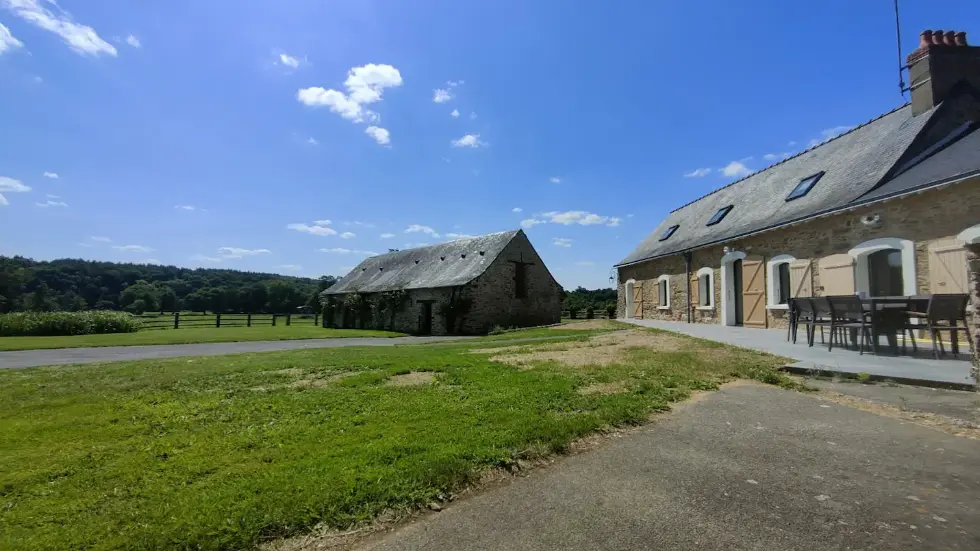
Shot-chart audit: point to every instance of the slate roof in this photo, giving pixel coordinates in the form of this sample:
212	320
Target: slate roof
853	164
444	265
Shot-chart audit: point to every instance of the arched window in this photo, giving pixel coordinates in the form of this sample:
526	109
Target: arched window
885	273
663	292
706	288
779	288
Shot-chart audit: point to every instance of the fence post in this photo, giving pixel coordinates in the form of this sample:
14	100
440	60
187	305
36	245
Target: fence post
248	322
288	319
217	319
176	320
273	319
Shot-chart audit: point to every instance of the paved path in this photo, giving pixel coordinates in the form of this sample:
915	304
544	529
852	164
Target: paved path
843	360
61	356
747	467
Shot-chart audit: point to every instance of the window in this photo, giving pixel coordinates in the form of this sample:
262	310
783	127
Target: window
669	232
782	274
663	292
520	280
885	273
706	288
720	215
804	186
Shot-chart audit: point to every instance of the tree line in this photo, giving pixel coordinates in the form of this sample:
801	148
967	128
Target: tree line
582	299
75	285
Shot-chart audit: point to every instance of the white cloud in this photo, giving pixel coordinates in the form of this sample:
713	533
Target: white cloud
441	95
9	185
364	85
735	169
530	223
418	228
469	140
52	175
562	242
288	60
380	135
554	180
289	267
319	227
312	141
7	40
581	217
516	209
459	235
454	83
51	196
828	134
81	38
613	221
133	248
387	235
184	207
47	204
454	114
341	250
585	263
133	41
776	156
697	173
348	235
100	239
232	253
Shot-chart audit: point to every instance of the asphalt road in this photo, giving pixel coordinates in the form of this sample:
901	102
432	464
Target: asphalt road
747	467
61	356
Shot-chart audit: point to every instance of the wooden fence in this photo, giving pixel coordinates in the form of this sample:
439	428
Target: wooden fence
582	314
181	320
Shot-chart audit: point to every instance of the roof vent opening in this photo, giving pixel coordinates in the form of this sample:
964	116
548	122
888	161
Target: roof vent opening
483	253
442	258
363	269
462	255
416	261
381	268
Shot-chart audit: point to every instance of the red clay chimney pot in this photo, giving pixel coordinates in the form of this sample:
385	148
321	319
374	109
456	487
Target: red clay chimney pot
925	39
960	38
950	38
937	37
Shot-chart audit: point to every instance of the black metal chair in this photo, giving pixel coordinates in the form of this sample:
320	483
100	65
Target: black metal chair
848	314
822	317
942	314
801	311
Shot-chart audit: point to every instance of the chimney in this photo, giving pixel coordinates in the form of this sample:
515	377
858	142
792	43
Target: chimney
941	61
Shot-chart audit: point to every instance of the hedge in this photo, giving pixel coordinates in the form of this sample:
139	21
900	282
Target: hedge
50	324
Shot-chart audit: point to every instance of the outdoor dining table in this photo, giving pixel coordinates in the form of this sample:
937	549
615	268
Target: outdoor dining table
888	316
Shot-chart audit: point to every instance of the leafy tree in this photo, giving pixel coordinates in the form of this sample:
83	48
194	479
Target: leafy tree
141	290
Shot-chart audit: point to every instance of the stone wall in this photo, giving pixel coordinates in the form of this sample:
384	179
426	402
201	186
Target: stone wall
924	218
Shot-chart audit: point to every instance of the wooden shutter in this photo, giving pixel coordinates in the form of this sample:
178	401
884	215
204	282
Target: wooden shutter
753	292
695	292
800	279
947	267
837	275
637	312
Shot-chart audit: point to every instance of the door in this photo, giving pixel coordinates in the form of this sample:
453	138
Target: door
836	275
947	267
737	283
753	308
637	302
425	318
800	279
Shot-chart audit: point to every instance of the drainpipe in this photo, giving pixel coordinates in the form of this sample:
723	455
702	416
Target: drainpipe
687	278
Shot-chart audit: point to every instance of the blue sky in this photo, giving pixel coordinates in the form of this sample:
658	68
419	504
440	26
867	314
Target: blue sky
296	136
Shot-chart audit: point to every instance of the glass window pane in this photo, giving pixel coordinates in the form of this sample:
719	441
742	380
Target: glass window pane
885	273
784	284
668	232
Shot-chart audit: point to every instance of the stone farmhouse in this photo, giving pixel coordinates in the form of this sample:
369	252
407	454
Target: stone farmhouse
466	286
891	207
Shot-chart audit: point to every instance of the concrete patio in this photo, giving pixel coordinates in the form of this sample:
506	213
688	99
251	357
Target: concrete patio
947	371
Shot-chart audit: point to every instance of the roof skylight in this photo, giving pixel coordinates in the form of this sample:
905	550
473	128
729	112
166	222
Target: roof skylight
804	187
669	232
720	215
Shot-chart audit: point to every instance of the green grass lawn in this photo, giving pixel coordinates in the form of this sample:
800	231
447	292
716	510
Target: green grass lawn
225	452
189	335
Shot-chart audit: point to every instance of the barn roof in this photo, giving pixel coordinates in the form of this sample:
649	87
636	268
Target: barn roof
444	265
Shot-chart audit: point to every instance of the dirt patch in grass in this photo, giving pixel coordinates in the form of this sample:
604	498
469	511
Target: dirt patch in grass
591	325
599	350
606	389
414	378
949	425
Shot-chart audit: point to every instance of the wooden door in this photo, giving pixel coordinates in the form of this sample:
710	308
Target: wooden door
753	292
947	267
800	279
637	312
837	275
425	318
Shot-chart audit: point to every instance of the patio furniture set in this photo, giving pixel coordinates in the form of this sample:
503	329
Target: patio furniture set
869	318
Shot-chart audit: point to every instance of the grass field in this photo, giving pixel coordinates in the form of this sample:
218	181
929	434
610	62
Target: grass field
189	335
225	452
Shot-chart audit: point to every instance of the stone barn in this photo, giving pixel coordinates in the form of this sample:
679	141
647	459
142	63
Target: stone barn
466	286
